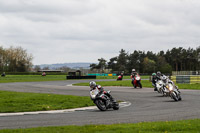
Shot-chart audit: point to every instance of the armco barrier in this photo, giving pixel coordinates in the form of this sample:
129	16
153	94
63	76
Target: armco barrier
188	79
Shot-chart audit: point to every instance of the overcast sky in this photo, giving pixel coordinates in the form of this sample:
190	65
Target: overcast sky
59	31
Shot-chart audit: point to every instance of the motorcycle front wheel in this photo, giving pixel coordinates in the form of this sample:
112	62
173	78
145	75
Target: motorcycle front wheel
174	96
101	105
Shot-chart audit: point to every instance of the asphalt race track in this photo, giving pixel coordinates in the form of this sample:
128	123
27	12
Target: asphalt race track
146	105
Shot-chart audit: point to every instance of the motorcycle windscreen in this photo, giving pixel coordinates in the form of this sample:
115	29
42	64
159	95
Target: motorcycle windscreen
159	84
93	93
137	78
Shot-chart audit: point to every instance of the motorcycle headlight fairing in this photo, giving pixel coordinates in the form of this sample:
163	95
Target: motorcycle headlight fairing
92	95
137	78
170	87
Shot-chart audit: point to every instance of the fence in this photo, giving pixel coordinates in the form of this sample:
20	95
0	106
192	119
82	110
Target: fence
174	73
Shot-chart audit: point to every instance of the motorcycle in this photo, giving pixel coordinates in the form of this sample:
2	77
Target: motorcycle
119	77
102	101
136	81
159	86
171	90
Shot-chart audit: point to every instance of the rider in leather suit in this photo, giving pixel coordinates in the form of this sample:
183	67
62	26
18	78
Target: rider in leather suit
93	86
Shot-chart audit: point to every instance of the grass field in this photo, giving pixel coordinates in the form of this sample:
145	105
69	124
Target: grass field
31	78
24	102
145	83
184	126
189	86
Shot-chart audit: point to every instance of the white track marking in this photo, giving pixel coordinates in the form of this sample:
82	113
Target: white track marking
69	85
122	105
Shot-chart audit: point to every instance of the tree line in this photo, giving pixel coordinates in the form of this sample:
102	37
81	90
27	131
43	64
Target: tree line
176	59
15	59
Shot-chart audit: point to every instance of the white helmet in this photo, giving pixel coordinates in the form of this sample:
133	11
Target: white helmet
92	84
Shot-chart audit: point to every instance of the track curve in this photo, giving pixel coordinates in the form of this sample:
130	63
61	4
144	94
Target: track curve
146	105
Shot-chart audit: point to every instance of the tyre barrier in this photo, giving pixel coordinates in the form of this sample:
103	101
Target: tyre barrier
187	79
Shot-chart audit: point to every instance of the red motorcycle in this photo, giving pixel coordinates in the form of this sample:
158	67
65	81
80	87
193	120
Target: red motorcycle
120	77
136	81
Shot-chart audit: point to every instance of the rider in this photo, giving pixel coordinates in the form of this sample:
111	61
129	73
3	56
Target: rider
166	80
163	77
93	86
154	80
122	74
159	75
155	77
133	75
120	77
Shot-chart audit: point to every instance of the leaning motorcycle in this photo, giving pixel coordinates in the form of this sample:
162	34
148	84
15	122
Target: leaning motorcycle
171	90
102	101
159	86
119	77
136	81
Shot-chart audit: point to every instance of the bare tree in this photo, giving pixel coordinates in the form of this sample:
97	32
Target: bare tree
15	59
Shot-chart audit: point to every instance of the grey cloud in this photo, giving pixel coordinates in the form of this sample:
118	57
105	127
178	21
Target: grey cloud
67	7
97	28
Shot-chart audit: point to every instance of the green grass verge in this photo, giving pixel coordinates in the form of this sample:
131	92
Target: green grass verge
189	86
25	102
36	78
145	83
183	126
31	78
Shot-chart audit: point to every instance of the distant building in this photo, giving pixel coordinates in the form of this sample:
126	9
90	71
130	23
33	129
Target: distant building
74	73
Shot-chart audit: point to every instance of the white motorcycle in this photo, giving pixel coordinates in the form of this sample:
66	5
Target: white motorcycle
102	101
171	90
160	87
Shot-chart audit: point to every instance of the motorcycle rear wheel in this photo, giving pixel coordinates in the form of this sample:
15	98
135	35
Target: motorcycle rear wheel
179	98
116	106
